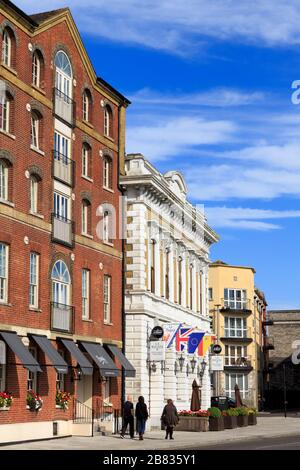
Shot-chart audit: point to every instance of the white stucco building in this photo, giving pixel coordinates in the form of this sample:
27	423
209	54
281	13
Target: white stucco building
167	258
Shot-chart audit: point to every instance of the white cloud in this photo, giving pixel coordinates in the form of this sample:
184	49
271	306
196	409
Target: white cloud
247	218
220	97
179	26
167	138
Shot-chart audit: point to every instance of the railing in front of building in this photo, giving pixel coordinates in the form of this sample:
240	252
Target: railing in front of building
242	362
62	230
63	168
243	305
243	334
64	107
62	318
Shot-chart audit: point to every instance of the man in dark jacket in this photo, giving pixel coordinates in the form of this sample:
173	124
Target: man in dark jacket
128	418
170	418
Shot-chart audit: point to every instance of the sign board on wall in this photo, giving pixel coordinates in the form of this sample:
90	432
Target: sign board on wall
216	363
157	351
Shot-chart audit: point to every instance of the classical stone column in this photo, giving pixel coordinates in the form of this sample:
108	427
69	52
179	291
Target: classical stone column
136	246
169	375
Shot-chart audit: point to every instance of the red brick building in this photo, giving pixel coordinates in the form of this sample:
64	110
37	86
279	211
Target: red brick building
62	139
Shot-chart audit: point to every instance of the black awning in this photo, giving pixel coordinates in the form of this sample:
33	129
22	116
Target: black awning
45	344
85	365
128	368
106	365
16	345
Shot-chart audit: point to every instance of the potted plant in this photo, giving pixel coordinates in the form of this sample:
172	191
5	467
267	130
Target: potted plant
34	401
230	418
242	418
62	399
6	400
193	421
216	420
252	416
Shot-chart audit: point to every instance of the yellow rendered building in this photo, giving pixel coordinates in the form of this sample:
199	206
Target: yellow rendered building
237	310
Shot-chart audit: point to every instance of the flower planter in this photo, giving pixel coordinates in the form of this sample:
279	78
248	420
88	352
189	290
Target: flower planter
242	421
230	422
252	419
5	408
216	424
194	424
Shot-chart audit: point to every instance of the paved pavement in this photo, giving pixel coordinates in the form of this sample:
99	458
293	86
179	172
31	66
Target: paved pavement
268	426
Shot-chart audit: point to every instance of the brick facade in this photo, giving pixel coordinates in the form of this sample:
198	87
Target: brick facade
24	232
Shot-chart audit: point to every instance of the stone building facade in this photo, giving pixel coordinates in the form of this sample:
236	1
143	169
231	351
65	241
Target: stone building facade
167	258
62	132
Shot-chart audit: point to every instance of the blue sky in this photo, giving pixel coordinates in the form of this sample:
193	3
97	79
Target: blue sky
210	84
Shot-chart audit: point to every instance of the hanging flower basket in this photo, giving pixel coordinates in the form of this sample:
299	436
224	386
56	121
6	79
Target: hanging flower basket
6	400
34	401
62	399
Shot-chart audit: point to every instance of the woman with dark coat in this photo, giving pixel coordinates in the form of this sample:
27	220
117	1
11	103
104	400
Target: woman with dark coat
170	418
141	414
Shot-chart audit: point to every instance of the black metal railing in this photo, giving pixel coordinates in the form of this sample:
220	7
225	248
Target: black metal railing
64	107
83	414
63	230
63	168
242	305
62	318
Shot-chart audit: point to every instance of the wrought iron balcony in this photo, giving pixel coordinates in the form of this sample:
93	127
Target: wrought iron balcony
62	318
63	168
237	335
242	363
64	107
236	306
62	230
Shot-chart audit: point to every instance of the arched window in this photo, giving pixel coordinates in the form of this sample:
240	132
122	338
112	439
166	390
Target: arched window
86	160
6	109
86	217
36	134
107	172
106	227
8	47
63	74
3	180
107	121
86	105
37	69
61	283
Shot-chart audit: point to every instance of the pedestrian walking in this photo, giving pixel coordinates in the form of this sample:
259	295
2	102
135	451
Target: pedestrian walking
141	414
170	418
128	418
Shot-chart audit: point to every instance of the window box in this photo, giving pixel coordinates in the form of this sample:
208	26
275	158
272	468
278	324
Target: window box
5	408
62	400
34	401
6	400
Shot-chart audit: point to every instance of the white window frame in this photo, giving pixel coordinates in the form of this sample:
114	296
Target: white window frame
235	299
235	327
34	193
210	293
62	206
61	288
36	70
107	298
84	218
107	391
85	160
85	107
85	293
60	378
107	169
35	131
32	376
106	122
6	48
106	238
5	114
3	181
231	380
4	253
233	353
34	280
3	370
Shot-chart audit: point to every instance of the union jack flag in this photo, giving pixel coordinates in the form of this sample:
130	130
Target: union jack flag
182	338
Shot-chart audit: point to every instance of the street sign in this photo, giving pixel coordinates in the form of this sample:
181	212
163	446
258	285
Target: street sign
157	351
217	349
216	363
157	332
